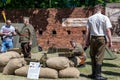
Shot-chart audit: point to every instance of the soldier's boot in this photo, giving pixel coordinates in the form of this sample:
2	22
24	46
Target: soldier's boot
98	73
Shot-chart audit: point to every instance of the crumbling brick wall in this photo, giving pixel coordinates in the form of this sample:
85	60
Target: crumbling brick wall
48	24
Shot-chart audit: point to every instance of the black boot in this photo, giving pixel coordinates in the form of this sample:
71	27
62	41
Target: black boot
98	73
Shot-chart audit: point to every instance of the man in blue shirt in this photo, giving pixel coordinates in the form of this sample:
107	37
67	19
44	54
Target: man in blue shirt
7	32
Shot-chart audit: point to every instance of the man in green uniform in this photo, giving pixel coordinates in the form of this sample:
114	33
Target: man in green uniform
78	53
26	35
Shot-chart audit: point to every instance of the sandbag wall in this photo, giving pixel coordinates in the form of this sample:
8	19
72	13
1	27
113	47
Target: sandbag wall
57	67
12	63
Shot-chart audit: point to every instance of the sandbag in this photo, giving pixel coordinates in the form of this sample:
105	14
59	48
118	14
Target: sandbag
12	65
70	72
5	57
22	71
58	63
48	73
15	49
44	72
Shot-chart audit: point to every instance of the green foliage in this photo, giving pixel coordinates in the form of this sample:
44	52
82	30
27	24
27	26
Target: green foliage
11	4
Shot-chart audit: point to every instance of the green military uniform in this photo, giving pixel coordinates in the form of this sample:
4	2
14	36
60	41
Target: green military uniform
78	52
78	49
26	35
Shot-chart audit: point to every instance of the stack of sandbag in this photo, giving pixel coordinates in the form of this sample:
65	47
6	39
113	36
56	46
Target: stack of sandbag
12	65
51	71
61	64
44	72
5	57
57	67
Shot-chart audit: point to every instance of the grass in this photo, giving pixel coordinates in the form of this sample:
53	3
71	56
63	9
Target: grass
110	69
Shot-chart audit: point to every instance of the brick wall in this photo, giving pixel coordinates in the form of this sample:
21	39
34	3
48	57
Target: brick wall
55	34
48	25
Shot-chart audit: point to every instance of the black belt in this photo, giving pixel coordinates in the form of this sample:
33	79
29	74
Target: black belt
97	36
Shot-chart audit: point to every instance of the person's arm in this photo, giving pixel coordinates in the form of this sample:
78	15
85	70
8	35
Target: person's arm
17	31
108	31
13	32
87	35
109	37
1	31
87	39
31	29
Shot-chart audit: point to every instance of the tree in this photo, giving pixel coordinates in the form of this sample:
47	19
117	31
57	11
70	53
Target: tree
11	4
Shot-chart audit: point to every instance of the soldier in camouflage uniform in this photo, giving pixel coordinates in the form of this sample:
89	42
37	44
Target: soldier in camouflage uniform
26	35
78	52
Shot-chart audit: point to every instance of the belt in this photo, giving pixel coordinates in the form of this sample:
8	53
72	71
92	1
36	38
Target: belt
97	36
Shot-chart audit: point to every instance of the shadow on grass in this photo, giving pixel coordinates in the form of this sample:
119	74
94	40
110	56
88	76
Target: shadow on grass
83	75
106	64
111	73
110	65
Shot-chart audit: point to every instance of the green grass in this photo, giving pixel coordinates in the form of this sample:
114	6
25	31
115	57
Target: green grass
110	69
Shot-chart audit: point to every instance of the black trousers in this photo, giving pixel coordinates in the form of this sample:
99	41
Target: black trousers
26	48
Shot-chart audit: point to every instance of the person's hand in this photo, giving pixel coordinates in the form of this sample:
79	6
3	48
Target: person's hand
87	43
30	43
110	44
7	34
16	29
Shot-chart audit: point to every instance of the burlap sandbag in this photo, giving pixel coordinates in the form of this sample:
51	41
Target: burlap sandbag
44	72
70	72
15	49
12	65
22	71
48	73
5	57
58	63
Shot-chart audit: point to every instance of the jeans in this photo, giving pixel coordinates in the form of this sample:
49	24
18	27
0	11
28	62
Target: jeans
6	45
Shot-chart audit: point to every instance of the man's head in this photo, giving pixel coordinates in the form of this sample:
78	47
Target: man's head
26	20
8	22
73	43
98	8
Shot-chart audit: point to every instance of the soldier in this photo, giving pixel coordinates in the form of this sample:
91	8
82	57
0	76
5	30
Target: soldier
98	27
79	54
26	35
